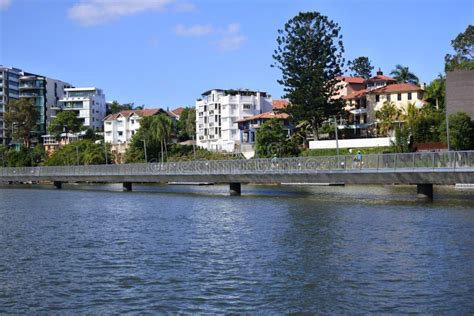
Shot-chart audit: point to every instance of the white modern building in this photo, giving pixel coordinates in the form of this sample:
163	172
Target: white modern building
218	111
87	103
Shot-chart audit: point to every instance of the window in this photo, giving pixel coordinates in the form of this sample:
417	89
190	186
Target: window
247	106
377	98
120	133
388	98
132	121
409	95
399	96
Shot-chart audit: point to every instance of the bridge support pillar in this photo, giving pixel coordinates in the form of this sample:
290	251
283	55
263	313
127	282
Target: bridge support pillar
127	186
58	184
424	191
235	189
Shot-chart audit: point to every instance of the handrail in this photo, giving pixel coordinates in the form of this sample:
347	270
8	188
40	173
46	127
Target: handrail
453	160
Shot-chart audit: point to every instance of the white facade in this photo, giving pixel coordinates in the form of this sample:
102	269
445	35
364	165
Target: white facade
217	113
88	104
119	129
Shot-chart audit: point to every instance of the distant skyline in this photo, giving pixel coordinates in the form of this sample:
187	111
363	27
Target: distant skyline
165	53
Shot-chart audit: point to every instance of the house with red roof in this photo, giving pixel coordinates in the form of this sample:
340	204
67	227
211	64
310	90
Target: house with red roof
362	104
119	128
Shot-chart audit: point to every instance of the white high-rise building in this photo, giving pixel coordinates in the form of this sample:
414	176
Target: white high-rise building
218	111
88	104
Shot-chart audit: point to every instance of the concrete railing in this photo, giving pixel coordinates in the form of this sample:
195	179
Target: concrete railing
461	160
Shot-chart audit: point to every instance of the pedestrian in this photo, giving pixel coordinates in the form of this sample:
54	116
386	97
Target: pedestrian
359	159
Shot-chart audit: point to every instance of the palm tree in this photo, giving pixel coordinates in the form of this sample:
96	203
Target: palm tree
388	114
403	75
161	128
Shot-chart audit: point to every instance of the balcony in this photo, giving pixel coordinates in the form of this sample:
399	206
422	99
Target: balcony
37	85
29	95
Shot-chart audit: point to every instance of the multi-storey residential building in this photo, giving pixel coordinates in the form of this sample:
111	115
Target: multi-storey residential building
363	104
218	111
45	93
9	90
119	128
87	103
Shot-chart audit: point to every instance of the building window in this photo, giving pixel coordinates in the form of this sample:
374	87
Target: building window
377	98
388	98
247	106
399	96
409	95
120	133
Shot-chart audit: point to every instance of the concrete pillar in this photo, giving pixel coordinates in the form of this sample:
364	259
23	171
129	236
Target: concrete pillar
424	191
58	184
127	186
234	189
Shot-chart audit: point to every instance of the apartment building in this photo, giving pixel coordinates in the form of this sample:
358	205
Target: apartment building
87	103
45	93
119	128
9	90
218	111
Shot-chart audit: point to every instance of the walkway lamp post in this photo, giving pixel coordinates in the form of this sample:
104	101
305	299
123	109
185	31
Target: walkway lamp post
105	151
144	149
337	140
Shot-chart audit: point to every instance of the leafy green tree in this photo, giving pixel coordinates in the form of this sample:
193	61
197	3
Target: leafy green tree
84	152
460	131
403	75
463	46
435	92
273	141
361	67
426	124
186	125
65	122
116	107
310	57
38	154
154	132
21	117
386	116
402	143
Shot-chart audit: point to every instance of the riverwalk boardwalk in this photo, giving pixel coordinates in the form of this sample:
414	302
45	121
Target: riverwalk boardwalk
421	169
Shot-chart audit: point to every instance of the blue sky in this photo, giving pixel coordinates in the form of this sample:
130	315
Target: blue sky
165	53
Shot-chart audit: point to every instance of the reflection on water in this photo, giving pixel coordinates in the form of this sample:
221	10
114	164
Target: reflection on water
367	249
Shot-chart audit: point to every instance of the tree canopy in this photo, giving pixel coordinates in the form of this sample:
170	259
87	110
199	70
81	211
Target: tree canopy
65	122
116	107
404	75
361	67
309	55
460	131
463	46
186	125
272	141
21	117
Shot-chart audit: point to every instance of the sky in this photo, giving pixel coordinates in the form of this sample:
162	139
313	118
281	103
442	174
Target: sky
166	53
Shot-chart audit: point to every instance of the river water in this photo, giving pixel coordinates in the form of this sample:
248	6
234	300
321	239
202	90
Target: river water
353	249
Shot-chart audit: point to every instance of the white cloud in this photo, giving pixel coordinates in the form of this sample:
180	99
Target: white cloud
231	39
94	12
4	4
195	30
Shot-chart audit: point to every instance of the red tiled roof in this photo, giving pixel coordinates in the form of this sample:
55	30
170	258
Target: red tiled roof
355	94
264	116
128	113
381	77
280	104
351	79
178	111
397	87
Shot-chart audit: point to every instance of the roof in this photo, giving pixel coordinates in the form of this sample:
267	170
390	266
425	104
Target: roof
81	89
280	104
397	87
264	116
355	94
178	111
128	113
381	77
348	79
